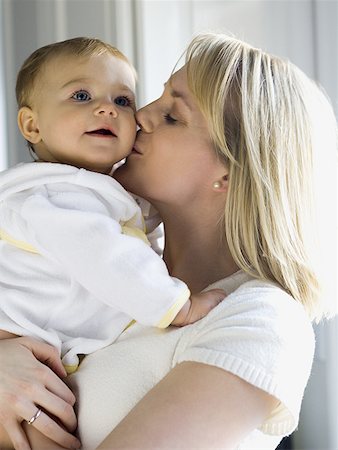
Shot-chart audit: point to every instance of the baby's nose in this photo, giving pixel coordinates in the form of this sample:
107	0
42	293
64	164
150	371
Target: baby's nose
107	108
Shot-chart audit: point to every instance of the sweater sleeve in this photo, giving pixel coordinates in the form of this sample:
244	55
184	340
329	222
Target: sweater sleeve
120	270
263	336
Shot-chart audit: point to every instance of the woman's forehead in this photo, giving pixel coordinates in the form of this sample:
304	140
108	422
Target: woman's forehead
178	80
177	86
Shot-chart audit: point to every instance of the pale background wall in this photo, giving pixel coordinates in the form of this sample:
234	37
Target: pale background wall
153	34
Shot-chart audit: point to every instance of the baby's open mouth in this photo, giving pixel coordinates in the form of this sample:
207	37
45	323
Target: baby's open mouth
102	132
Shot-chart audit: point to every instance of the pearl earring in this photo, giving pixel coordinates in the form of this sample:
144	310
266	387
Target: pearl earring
216	185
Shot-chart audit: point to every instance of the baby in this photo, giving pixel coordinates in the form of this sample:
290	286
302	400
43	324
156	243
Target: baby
75	263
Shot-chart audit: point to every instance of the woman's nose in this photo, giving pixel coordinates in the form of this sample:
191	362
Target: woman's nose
106	108
144	119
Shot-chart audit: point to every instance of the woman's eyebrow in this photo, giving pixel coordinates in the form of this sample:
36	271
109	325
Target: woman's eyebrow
177	94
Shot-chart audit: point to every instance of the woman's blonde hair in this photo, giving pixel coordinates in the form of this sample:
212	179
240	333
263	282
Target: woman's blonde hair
258	109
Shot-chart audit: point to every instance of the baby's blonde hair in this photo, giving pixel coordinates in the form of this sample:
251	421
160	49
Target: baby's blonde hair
34	64
258	109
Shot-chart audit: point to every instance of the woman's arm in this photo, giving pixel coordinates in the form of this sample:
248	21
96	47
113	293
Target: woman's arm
30	377
195	406
6	335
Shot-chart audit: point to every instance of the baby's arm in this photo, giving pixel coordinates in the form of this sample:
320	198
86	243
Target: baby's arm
198	307
128	275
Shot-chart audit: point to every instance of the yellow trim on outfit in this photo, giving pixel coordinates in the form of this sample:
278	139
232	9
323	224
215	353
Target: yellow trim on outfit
17	243
70	369
129	228
170	315
135	232
131	323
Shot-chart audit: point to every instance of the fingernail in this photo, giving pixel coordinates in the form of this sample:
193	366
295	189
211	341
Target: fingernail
76	445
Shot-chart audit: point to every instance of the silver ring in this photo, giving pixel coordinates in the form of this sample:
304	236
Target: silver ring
33	419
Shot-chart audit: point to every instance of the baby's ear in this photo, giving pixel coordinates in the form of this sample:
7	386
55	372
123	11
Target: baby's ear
28	125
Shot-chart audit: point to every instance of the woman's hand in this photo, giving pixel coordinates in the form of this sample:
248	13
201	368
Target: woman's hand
30	378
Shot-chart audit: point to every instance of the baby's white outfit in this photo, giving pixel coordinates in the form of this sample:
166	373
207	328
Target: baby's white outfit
75	269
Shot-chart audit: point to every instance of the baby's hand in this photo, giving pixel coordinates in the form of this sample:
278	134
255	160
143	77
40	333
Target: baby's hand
198	307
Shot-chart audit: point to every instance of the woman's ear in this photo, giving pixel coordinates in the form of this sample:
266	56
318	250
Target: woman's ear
221	185
28	125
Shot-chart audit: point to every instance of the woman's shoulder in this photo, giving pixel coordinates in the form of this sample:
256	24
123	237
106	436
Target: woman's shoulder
261	334
264	316
256	297
255	307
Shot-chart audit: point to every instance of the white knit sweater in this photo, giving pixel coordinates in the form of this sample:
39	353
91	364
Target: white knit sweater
258	333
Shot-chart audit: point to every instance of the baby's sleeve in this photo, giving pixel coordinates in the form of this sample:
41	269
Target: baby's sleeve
118	269
263	336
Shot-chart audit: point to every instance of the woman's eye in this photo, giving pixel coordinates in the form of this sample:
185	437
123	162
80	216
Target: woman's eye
81	96
169	119
123	101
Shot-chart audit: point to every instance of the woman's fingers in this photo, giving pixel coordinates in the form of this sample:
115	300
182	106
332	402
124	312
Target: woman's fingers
54	405
45	353
55	432
47	377
16	437
50	392
27	384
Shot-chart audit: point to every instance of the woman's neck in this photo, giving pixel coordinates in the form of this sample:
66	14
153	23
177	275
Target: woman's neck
193	252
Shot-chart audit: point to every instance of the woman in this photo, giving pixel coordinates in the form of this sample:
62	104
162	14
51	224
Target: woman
225	156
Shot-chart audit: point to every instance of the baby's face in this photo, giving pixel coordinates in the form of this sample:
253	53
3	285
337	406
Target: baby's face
85	111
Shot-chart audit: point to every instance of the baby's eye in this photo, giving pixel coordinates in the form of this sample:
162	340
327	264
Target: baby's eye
81	96
169	119
123	101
